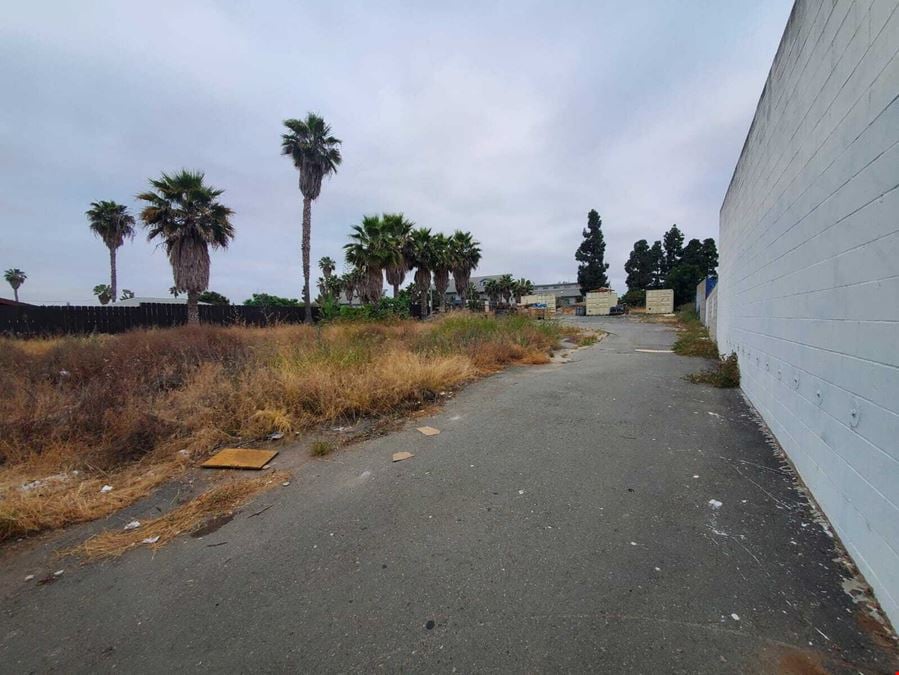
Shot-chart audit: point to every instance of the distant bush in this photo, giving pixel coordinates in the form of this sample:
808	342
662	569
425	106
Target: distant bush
214	298
635	297
385	309
266	300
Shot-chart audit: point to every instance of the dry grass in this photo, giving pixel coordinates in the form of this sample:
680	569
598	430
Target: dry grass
132	410
216	502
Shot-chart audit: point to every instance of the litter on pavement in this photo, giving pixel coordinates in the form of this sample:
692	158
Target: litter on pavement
715	504
400	456
133	525
240	458
429	431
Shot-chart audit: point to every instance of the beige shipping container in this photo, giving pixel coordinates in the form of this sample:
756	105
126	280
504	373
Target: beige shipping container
600	303
548	300
660	301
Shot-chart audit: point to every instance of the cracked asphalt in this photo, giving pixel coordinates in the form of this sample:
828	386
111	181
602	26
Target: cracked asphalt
566	518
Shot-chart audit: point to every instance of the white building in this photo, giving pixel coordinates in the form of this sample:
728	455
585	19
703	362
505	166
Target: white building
808	292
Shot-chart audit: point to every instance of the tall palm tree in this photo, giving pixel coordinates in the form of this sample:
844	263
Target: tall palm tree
396	230
520	288
184	214
465	254
327	266
366	253
15	278
421	257
316	154
113	224
442	263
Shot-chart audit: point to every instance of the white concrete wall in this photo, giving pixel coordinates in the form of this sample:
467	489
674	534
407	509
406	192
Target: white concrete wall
808	292
711	313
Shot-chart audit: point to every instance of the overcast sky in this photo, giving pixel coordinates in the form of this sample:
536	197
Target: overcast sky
511	120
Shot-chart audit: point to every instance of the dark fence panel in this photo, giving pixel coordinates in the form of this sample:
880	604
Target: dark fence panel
34	320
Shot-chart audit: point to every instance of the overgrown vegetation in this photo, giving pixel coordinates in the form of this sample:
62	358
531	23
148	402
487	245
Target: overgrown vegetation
724	374
694	340
130	411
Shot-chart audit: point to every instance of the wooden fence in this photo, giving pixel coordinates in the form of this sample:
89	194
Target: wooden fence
57	320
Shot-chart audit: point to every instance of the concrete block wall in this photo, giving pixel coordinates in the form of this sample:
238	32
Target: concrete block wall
808	292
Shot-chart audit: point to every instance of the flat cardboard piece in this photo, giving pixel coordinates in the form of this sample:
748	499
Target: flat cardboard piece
239	458
429	431
400	456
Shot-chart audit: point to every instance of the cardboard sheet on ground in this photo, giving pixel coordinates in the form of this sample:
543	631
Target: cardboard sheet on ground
240	458
429	431
400	456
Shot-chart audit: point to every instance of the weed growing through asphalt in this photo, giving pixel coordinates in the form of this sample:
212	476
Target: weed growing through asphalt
321	448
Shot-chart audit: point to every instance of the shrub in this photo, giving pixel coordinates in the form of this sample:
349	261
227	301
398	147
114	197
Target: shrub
724	374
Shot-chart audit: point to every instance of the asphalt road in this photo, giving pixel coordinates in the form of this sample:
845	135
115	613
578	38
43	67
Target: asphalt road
562	521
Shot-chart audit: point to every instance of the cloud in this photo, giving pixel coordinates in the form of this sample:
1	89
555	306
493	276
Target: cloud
511	120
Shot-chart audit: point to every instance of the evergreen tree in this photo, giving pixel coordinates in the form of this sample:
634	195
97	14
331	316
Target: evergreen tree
656	261
591	273
710	254
673	243
639	266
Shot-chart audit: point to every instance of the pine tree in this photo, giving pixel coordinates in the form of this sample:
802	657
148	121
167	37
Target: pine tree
591	273
639	266
673	243
656	262
710	254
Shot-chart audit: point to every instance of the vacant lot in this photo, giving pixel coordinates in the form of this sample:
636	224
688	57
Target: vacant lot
132	410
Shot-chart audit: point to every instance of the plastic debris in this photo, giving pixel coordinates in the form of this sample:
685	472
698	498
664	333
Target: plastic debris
521	492
400	456
285	483
735	617
106	488
29	577
133	525
429	431
150	540
58	573
277	436
715	504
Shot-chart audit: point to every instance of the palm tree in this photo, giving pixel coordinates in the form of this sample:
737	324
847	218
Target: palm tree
493	291
327	266
315	154
506	284
520	288
113	224
15	278
421	257
465	254
441	262
396	231
103	293
184	214
366	253
350	282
